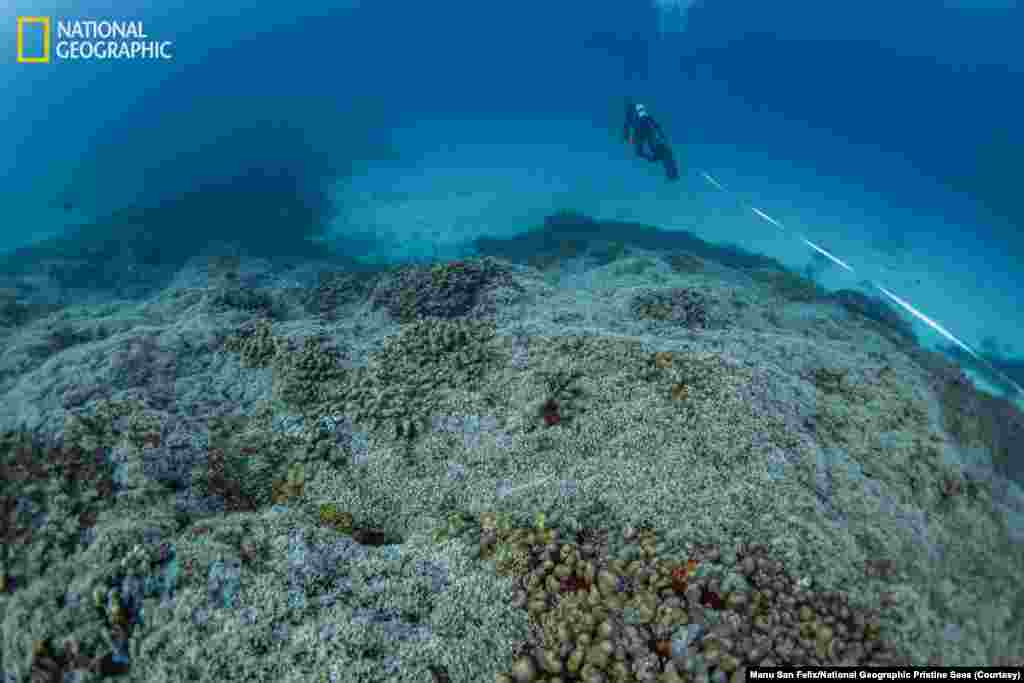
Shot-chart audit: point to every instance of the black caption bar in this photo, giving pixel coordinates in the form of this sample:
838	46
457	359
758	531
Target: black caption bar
903	673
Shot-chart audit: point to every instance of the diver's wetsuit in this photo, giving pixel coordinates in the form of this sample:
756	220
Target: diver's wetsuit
641	129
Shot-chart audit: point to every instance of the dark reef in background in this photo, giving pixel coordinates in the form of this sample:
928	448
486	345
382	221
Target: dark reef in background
264	190
975	418
877	310
133	251
1001	371
567	233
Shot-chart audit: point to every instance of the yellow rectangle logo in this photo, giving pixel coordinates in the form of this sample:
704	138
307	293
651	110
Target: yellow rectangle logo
45	22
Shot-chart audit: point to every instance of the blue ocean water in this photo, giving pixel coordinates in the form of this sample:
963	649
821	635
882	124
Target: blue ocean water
884	131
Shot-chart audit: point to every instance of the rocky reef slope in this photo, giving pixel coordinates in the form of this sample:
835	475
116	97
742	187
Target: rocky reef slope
584	455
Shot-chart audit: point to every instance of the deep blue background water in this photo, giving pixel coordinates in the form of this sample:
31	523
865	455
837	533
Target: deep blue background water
918	103
924	80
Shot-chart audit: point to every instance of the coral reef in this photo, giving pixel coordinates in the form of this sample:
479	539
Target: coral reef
681	306
549	241
292	486
608	252
876	310
686	263
332	516
255	343
563	397
651	618
444	290
636	267
53	665
58	487
789	285
302	375
10	309
335	290
397	389
975	418
198	490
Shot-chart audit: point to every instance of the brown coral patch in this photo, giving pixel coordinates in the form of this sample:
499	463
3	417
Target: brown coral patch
663	360
951	485
226	487
370	537
551	413
880	568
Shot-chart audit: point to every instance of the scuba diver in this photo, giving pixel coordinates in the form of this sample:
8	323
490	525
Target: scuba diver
640	129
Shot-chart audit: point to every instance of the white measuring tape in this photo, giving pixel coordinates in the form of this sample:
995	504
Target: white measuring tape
902	303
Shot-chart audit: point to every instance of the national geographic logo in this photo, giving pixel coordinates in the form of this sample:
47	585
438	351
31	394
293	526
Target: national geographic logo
87	40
